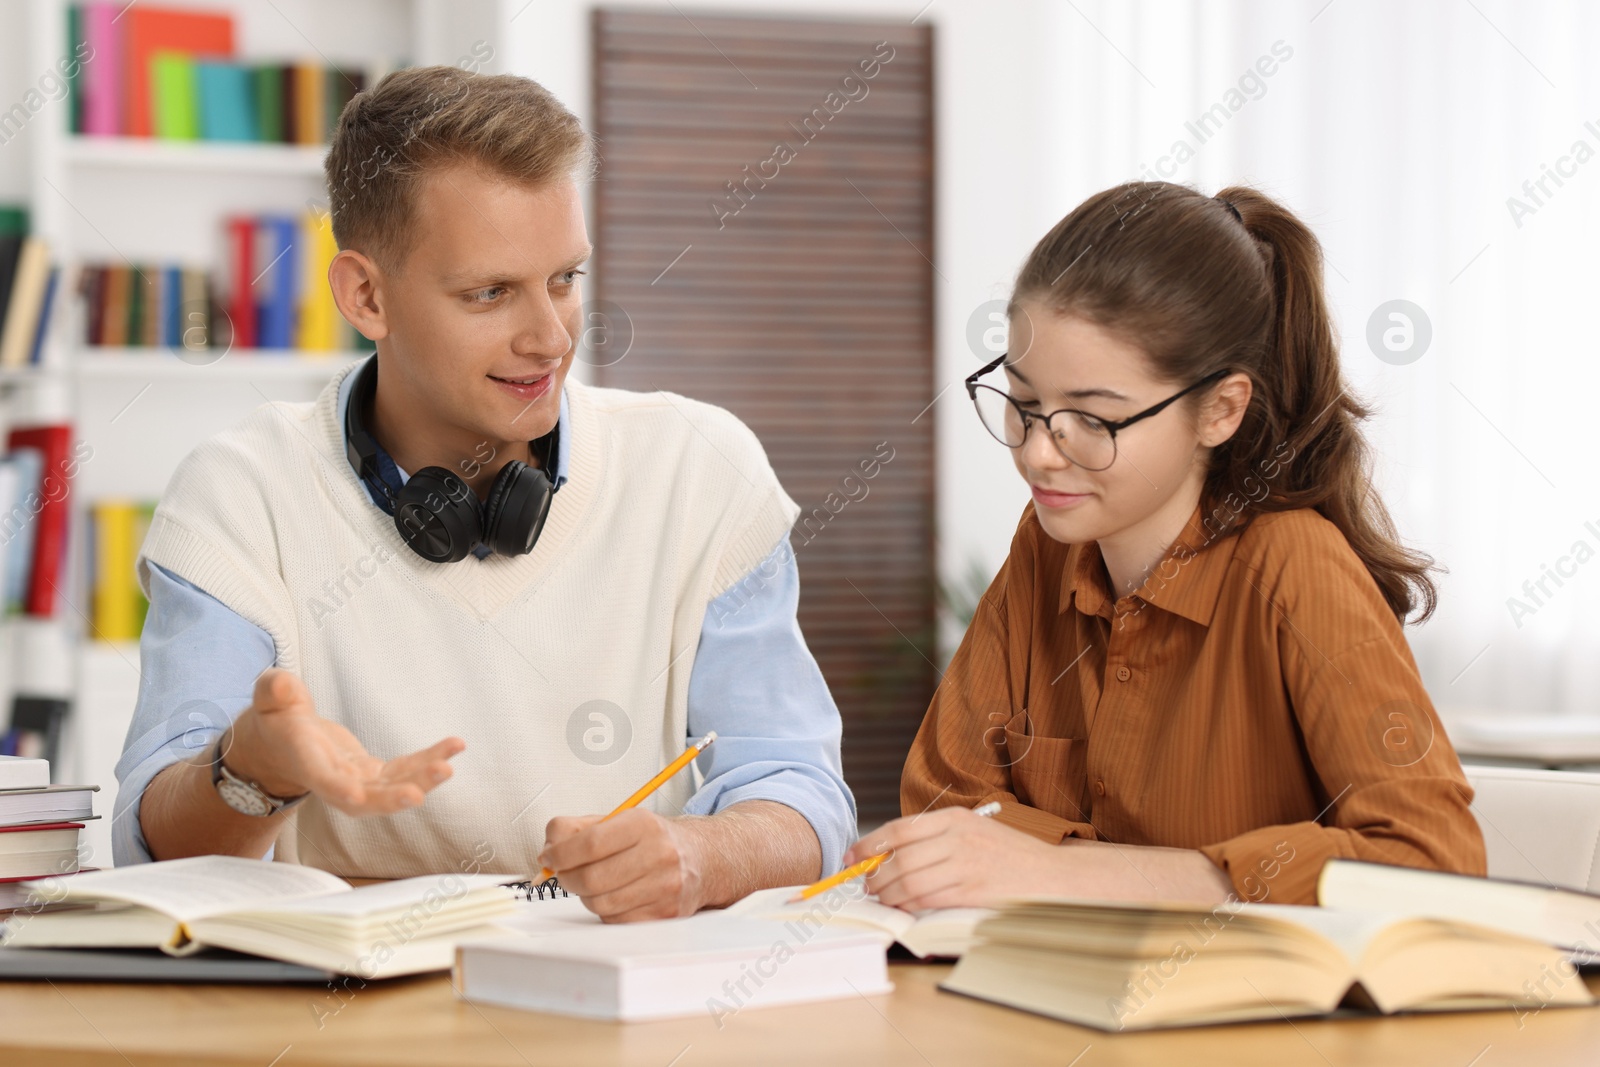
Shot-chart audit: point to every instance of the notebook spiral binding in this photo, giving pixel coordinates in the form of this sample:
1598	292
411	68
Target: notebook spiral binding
545	890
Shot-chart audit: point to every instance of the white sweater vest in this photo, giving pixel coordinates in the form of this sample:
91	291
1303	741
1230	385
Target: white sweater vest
669	503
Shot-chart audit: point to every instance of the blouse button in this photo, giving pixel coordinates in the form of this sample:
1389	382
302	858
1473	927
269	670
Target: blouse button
1099	787
1123	674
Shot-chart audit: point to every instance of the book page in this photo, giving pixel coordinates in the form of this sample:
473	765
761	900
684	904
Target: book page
1349	931
432	891
200	886
827	909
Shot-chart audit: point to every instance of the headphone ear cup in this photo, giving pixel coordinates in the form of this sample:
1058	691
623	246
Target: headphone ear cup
514	513
437	515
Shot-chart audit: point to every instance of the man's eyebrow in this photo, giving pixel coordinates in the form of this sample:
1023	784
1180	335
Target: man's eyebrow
491	276
1076	394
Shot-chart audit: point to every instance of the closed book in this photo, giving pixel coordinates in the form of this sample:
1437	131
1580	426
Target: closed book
116	609
278	280
138	296
310	103
1125	966
92	283
150	31
227	102
291	103
27	465
269	103
39	849
114	315
41	332
174	97
199	321
20	772
1566	918
171	332
712	962
343	85
14	518
46	803
103	85
54	442
241	301
318	329
75	50
143	515
279	910
11	245
25	302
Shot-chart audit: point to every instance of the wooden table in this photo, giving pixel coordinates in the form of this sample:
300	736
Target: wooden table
420	1021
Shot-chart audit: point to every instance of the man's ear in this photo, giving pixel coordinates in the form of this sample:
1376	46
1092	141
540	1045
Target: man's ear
1224	409
356	283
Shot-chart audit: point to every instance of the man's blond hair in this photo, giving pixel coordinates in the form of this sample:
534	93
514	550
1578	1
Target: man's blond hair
422	118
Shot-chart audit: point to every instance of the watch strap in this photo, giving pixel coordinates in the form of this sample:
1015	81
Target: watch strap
219	771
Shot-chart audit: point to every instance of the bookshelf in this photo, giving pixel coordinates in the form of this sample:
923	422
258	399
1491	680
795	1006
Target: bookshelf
133	200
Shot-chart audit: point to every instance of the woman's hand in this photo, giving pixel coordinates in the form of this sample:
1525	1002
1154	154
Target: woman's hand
951	858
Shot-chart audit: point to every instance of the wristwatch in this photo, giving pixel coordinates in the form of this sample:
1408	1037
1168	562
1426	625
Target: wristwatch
243	795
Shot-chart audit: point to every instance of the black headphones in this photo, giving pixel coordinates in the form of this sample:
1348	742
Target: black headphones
435	510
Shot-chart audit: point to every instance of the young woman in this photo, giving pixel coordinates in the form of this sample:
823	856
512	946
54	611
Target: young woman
1189	679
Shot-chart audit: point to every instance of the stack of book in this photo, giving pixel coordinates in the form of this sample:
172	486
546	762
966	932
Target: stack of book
27	291
173	73
36	475
148	305
39	827
277	295
117	605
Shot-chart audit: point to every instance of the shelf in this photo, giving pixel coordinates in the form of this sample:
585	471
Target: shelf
30	373
230	157
238	365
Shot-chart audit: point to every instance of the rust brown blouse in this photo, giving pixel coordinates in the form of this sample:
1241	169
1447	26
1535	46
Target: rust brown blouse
1255	699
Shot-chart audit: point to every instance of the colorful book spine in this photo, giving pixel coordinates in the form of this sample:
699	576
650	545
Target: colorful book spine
114	588
54	443
319	316
241	238
174	97
102	75
275	322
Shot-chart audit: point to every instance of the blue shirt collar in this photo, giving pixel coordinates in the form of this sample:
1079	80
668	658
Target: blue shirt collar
392	472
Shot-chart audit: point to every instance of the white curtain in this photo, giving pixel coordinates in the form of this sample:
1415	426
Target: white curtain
1399	132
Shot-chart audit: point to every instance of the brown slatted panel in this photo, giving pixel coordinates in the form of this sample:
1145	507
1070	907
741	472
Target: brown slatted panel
806	314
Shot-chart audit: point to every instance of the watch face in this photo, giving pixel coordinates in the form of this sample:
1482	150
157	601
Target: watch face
242	798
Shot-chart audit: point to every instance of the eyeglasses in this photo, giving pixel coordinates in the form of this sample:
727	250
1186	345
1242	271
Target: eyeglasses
1084	440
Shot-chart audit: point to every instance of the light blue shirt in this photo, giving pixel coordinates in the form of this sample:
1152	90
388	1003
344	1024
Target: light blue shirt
753	681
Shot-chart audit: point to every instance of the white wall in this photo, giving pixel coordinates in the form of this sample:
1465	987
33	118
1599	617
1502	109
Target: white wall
996	167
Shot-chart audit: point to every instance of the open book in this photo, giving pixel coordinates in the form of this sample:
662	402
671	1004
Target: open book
1119	966
946	932
280	910
1566	918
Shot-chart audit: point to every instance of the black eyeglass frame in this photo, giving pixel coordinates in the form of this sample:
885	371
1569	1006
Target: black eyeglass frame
1112	428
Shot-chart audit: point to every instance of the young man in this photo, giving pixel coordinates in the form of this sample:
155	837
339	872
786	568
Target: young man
330	639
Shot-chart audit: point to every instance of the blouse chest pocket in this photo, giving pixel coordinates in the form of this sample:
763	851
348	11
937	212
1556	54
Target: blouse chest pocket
1046	772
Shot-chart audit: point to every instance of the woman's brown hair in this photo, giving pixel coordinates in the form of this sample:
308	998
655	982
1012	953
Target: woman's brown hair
1234	281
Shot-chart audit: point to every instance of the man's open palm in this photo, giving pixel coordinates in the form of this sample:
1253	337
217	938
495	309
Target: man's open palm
283	744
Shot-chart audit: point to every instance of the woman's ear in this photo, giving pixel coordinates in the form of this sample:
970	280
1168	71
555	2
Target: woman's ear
1224	409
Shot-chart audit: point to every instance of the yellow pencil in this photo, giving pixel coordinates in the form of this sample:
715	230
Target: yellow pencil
871	863
652	785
